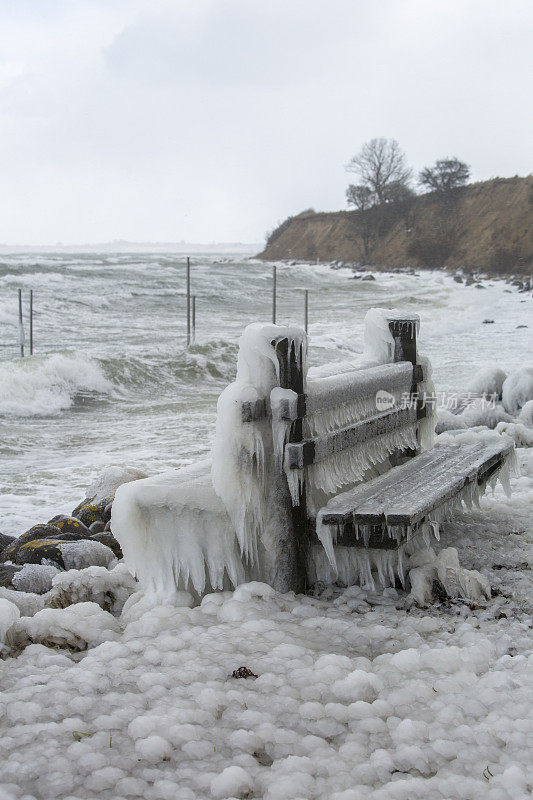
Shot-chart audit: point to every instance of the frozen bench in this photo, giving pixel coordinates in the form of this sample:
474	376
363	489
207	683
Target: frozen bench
311	477
335	435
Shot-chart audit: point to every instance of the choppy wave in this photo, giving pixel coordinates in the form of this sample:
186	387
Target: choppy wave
45	386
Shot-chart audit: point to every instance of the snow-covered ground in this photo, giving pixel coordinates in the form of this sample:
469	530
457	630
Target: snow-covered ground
358	696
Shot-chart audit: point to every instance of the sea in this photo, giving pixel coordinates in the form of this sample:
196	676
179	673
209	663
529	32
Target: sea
112	381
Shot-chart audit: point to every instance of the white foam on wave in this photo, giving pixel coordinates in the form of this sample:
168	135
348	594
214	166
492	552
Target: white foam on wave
46	386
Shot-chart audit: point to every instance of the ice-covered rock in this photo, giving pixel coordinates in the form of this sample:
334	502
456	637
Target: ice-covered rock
77	627
9	614
425	569
488	381
481	412
35	578
27	603
526	414
85	553
108	588
517	389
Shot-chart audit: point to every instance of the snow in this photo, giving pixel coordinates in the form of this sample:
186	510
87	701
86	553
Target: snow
517	389
359	694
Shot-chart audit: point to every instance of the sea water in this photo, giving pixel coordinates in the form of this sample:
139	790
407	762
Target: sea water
111	380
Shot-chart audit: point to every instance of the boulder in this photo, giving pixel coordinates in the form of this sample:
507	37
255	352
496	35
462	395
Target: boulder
6	574
35	578
107	538
36	532
38	550
5	541
68	524
88	512
97	527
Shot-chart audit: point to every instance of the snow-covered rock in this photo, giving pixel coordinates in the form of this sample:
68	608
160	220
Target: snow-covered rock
488	381
517	389
77	627
108	588
36	578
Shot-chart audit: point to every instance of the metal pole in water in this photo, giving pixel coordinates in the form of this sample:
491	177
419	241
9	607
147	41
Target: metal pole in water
194	318
21	325
188	301
274	288
306	310
31	322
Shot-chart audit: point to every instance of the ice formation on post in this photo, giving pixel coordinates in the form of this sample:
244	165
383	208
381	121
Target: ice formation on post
221	522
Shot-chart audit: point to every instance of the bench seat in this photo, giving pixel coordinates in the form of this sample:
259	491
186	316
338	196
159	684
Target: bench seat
385	511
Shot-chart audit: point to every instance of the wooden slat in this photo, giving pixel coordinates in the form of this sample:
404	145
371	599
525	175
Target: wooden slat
253	410
308	405
406	494
311	451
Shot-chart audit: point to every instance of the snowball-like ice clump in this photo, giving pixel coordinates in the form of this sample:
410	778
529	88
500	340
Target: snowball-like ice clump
517	389
425	568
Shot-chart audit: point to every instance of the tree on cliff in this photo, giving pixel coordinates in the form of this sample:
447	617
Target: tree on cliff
379	164
446	174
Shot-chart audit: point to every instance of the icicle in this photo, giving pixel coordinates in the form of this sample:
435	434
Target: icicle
280	399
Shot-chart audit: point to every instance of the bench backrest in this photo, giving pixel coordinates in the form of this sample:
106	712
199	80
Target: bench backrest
331	433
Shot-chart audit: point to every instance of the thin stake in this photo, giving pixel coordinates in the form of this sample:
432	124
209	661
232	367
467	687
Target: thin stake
194	317
21	325
31	322
306	310
274	289
188	301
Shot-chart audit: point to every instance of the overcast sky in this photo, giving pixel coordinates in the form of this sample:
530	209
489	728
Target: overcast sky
211	120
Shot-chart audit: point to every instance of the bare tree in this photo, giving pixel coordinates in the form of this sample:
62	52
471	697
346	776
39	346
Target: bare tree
380	163
360	196
446	174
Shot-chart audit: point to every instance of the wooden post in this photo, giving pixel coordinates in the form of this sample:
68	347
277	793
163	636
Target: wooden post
21	326
194	318
274	289
291	376
404	334
306	311
31	322
188	301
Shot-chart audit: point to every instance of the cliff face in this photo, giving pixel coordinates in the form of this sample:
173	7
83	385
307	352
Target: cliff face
485	226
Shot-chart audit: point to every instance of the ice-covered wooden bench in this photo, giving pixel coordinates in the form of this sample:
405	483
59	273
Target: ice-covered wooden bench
313	476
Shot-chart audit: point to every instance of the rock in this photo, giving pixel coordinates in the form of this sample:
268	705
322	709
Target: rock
5	541
368	278
488	322
68	524
36	532
469	280
39	550
89	512
457	279
86	553
107	538
35	578
107	526
97	527
6	574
